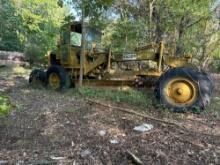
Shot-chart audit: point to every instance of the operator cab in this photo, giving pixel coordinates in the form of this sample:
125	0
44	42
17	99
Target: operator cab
70	43
72	34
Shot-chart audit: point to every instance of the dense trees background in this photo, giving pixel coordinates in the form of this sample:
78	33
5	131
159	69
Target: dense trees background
30	26
187	26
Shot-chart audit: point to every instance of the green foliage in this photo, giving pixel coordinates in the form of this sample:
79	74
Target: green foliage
92	8
125	36
188	27
9	27
215	66
41	21
33	53
5	106
30	25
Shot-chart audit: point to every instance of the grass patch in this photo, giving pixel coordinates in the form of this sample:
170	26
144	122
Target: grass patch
9	71
21	71
129	96
5	106
213	108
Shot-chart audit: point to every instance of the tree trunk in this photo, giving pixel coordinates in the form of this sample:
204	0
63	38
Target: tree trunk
151	7
157	21
83	42
179	47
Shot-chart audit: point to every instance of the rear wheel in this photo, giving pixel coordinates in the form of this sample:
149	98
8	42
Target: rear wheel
184	88
57	78
37	77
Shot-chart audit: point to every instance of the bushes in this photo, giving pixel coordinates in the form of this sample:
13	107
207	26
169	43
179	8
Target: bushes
5	106
34	54
214	66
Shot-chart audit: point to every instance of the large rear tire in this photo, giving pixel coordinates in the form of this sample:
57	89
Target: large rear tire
57	78
183	89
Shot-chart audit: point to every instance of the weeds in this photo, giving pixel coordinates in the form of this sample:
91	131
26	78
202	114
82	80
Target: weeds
213	108
19	108
130	96
5	106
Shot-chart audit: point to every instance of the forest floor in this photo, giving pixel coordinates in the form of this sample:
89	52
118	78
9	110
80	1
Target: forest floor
48	127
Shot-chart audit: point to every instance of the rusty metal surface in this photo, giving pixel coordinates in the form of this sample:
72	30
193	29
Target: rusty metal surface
100	64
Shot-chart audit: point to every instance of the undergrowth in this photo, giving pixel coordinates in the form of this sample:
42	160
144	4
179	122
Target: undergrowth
5	106
16	70
213	108
130	96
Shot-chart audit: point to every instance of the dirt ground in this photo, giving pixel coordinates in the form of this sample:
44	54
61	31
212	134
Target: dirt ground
48	127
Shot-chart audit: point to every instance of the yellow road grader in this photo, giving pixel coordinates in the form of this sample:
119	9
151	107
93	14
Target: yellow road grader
179	86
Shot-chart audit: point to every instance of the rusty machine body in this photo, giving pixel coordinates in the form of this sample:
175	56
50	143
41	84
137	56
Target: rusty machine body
178	87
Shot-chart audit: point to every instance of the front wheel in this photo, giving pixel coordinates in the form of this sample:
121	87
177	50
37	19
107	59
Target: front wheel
57	78
184	88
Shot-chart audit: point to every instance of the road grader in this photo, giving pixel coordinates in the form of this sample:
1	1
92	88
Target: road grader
179	86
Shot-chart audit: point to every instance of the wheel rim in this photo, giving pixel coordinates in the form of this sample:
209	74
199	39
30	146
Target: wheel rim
54	81
181	91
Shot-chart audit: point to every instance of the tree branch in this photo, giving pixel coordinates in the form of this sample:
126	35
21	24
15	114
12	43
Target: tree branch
195	22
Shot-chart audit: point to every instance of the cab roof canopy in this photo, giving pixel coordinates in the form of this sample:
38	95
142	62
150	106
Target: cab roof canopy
76	26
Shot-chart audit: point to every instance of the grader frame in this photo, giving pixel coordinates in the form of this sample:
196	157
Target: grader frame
179	87
67	56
